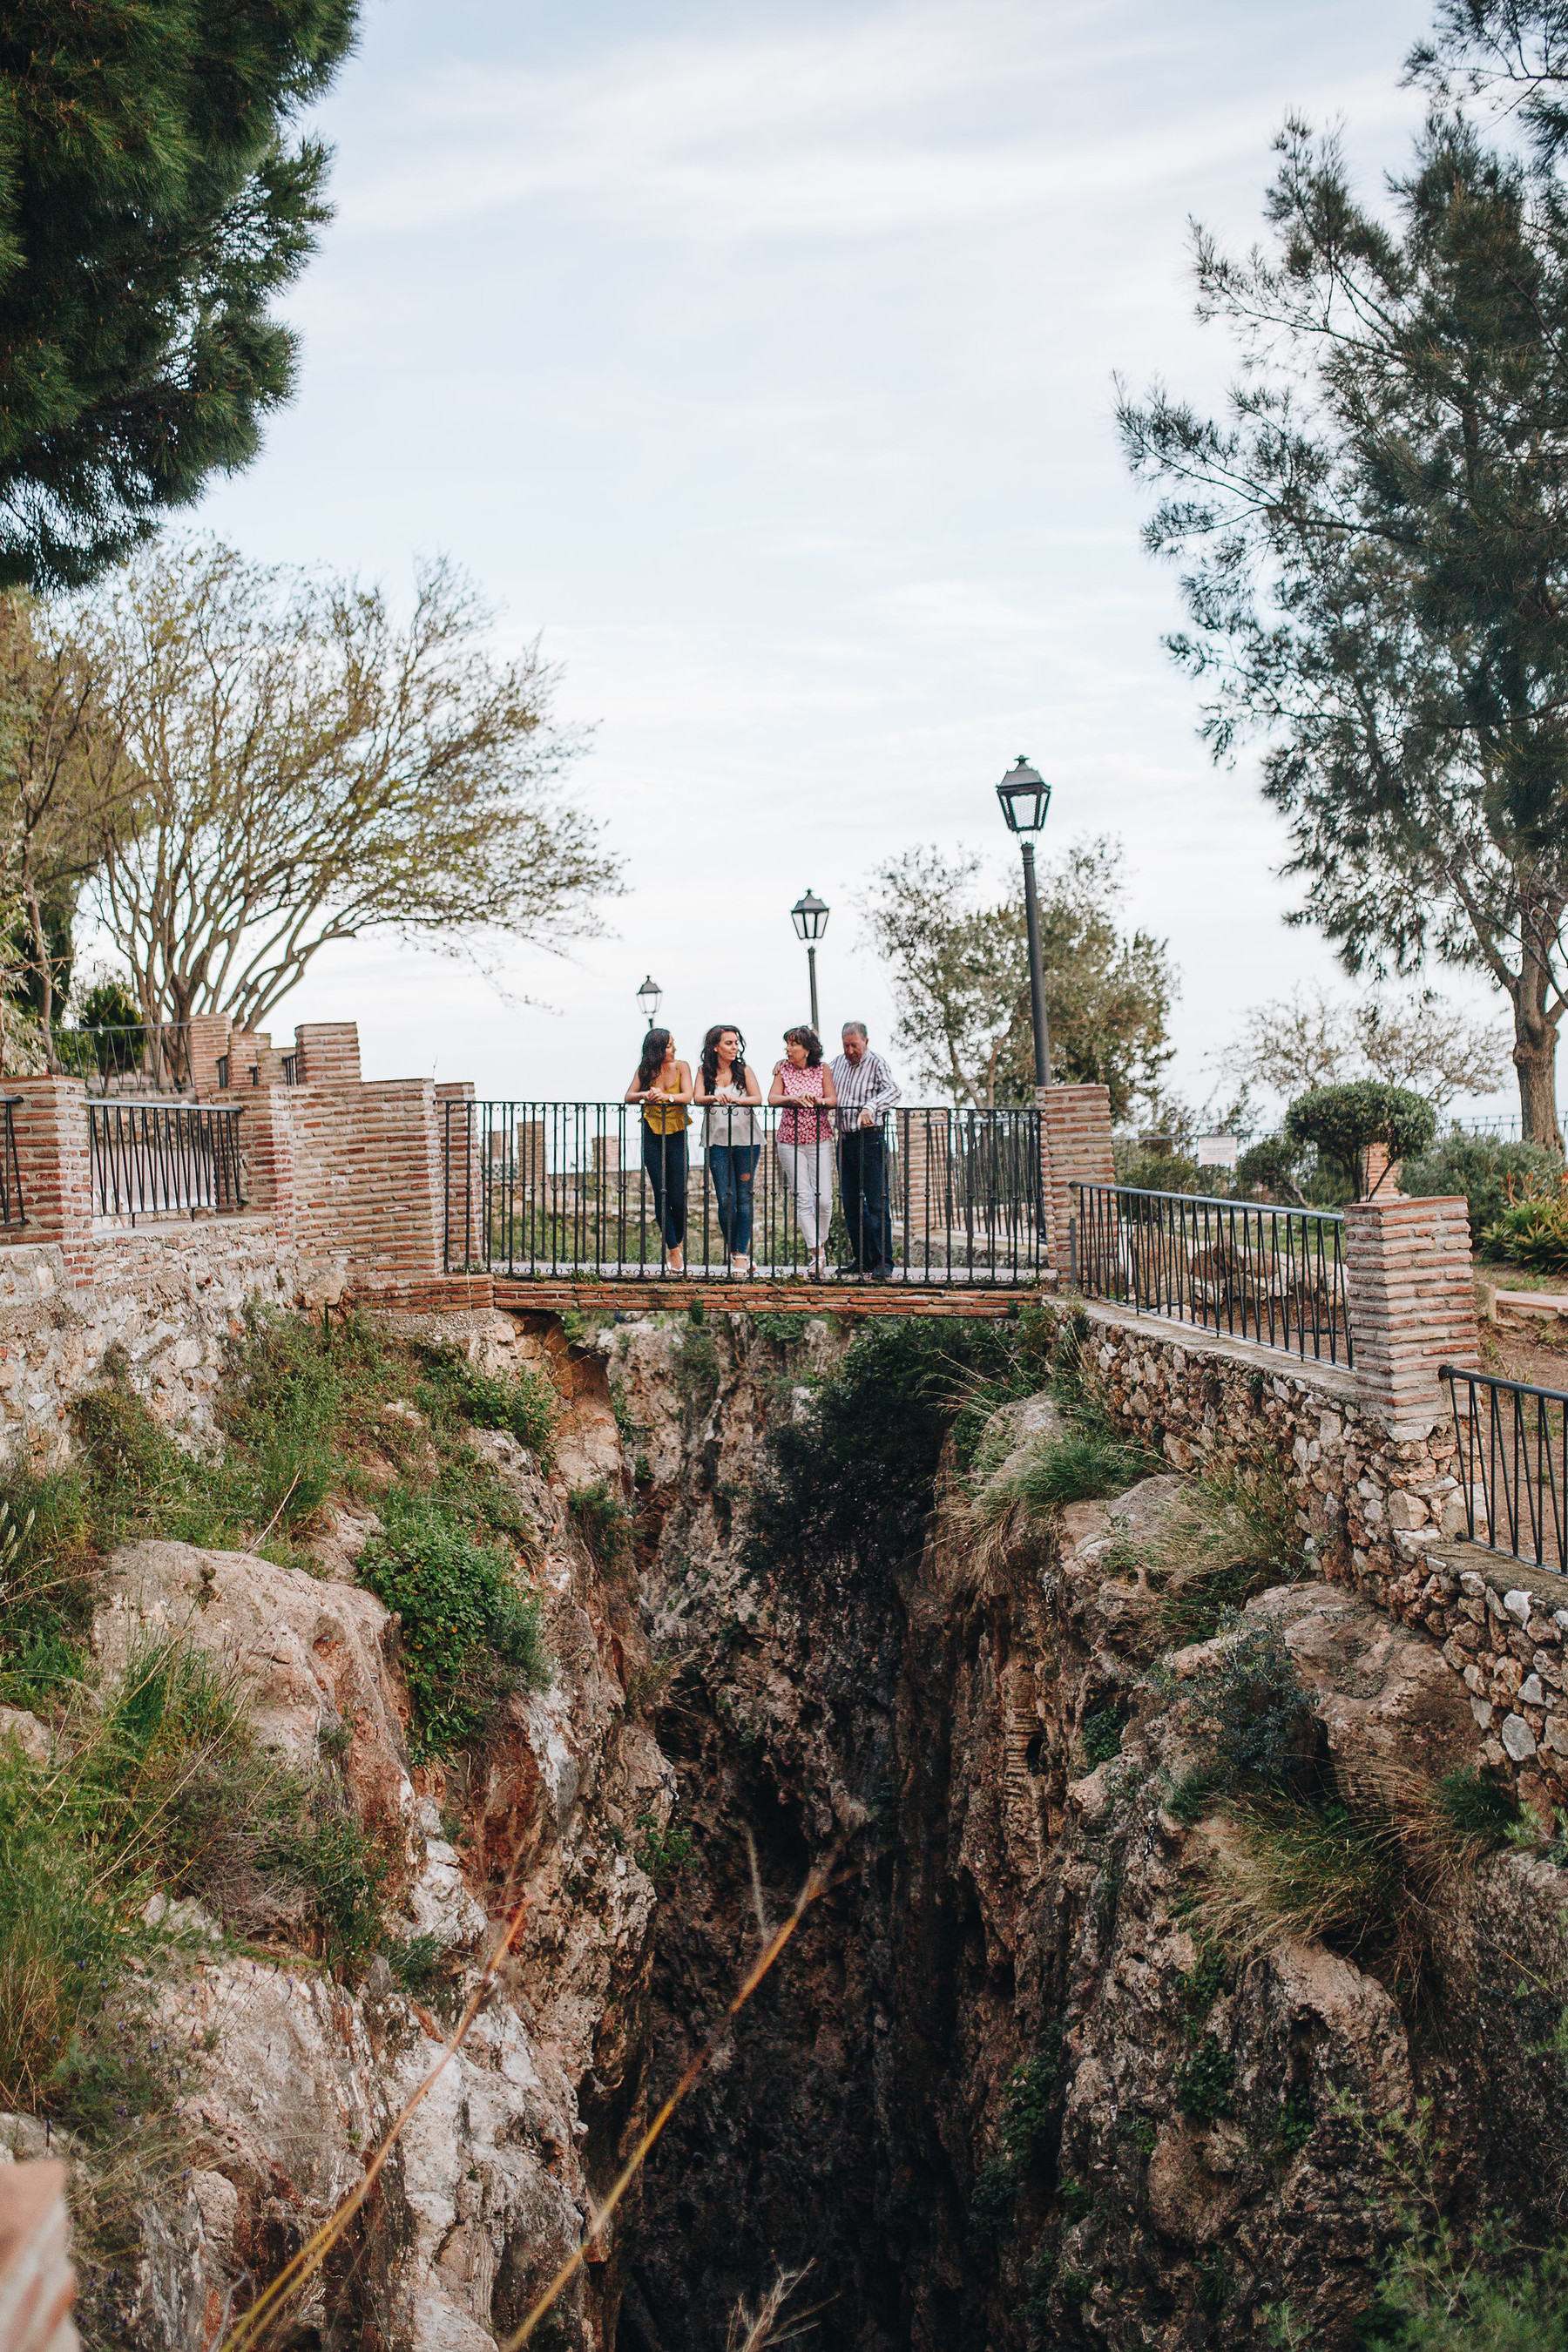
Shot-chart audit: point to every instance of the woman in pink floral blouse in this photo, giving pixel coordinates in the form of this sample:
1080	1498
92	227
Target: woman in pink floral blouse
804	1087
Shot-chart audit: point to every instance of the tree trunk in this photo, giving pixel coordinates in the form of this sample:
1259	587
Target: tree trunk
1535	1059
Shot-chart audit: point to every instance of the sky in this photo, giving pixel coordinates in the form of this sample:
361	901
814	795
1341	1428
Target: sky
760	360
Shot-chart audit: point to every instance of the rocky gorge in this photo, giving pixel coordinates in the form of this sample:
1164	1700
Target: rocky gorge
1180	1961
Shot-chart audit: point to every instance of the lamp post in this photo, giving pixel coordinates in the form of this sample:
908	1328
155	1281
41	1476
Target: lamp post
809	917
1024	797
650	996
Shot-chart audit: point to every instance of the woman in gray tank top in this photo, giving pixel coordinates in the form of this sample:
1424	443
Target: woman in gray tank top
729	1095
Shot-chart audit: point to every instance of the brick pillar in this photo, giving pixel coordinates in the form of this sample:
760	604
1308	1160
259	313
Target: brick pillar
1379	1173
57	1176
208	1037
37	2284
458	1133
1075	1148
329	1052
1410	1299
267	1153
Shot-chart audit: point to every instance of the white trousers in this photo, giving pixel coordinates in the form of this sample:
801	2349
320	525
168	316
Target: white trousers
807	1169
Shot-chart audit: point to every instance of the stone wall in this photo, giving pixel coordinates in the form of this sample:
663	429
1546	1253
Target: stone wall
168	1295
1381	1507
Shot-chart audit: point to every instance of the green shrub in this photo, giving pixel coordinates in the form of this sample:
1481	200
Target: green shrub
604	1522
469	1637
1204	2085
1255	1717
1164	1171
662	1854
526	1403
1481	1167
1026	2113
1273	1165
1296	2121
1533	1230
1342	1121
1102	1733
991	2203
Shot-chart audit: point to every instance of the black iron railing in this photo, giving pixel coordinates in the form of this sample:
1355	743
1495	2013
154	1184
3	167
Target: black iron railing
13	1208
932	1196
1275	1275
152	1159
1513	1466
142	1059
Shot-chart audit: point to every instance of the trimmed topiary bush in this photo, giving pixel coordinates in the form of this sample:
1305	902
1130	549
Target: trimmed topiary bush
1343	1121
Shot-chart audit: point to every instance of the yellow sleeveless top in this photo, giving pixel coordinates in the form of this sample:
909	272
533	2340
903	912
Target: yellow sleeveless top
665	1118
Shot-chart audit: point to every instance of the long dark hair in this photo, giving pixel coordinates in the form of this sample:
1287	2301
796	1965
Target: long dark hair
810	1040
655	1047
710	1056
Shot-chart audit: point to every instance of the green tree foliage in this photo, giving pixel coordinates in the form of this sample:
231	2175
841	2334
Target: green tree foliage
1375	555
1484	1167
961	975
309	768
63	785
151	206
1343	1121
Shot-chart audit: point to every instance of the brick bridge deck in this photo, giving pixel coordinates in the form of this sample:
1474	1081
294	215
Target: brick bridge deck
548	1296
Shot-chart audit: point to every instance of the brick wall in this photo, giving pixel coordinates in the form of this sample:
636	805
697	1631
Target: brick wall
52	1153
1075	1148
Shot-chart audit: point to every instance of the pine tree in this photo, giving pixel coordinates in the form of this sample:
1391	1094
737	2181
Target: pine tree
150	207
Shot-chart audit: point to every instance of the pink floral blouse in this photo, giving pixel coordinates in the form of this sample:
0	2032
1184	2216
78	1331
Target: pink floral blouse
797	1123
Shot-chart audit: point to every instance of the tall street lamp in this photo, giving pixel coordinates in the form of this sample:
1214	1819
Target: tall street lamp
650	996
809	917
1024	797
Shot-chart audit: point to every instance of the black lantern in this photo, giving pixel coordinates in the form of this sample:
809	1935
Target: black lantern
1025	796
650	996
809	917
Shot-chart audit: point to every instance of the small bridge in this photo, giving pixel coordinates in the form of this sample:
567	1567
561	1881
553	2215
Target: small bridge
560	1205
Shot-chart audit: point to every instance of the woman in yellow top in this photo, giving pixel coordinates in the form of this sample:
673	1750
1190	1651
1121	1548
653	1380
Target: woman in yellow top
663	1086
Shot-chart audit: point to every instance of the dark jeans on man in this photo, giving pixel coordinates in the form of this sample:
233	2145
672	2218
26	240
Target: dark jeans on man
863	1196
664	1157
732	1167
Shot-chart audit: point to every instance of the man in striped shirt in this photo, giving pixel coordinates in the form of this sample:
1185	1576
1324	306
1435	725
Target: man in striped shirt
866	1089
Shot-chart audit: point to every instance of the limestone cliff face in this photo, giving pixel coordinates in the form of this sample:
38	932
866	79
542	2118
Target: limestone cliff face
288	2080
967	2100
998	2093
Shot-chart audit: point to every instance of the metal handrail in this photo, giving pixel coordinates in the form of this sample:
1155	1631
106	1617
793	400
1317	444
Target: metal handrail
552	1188
138	1058
1276	1276
159	1159
1515	1470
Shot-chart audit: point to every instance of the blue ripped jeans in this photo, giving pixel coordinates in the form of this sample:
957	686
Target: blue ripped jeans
732	1167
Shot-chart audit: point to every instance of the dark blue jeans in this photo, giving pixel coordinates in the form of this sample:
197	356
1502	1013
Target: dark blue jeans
732	1167
863	1195
664	1157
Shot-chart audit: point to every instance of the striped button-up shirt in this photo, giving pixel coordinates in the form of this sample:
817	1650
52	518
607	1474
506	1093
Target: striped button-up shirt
866	1085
